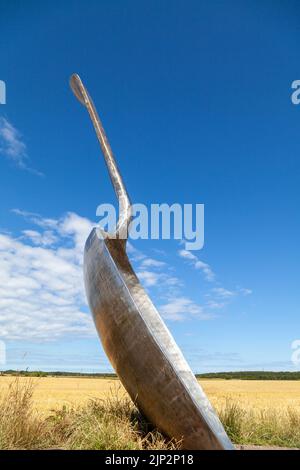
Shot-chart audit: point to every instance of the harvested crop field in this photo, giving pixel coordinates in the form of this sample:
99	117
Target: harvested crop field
96	413
54	392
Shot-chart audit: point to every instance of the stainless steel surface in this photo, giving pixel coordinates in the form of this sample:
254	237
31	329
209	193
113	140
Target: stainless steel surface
124	202
135	338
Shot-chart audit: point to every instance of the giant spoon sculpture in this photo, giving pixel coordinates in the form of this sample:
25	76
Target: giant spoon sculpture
137	342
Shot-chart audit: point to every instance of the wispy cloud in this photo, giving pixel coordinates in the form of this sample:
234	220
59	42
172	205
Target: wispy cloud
37	219
198	264
158	277
217	297
13	147
202	360
135	255
46	238
223	293
149	278
153	272
181	308
150	262
162	280
11	143
244	291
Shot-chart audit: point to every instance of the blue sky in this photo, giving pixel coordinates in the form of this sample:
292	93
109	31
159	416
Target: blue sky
195	99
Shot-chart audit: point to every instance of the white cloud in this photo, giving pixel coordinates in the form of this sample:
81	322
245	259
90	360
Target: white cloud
161	280
11	143
37	219
187	255
198	264
158	277
45	239
148	278
41	287
13	147
244	291
223	293
181	308
150	262
135	255
218	297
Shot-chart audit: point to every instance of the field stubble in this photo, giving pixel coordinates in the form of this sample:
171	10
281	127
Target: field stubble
84	413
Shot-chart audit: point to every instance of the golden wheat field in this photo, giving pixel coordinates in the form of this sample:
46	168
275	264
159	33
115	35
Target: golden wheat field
96	413
54	392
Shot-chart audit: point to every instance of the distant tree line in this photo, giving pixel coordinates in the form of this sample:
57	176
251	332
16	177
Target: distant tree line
251	375
40	373
243	375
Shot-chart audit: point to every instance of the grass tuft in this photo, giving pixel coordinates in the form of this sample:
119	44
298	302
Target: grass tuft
20	426
265	427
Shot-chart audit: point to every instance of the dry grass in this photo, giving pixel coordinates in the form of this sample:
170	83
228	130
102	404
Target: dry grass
113	422
20	426
272	427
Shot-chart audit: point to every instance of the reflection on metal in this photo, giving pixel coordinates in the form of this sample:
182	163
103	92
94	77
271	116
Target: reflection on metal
137	342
